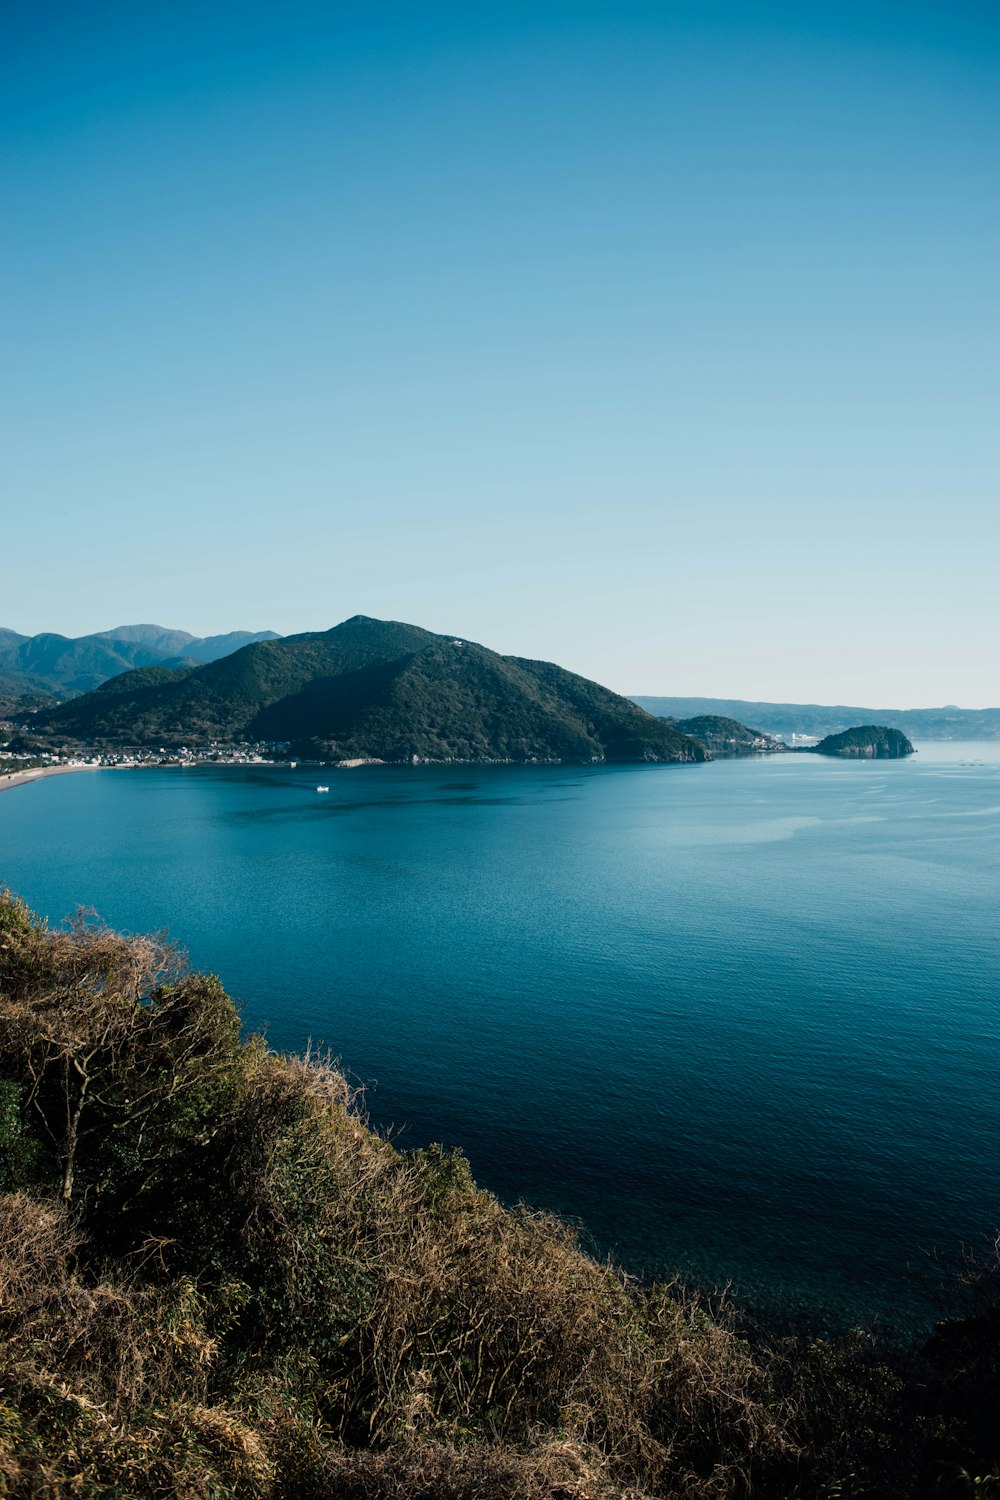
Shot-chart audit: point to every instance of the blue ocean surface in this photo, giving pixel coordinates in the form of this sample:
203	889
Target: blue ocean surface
740	1020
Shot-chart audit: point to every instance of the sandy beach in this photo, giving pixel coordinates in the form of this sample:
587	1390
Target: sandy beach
18	778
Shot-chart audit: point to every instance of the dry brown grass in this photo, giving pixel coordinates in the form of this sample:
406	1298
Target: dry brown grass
463	1349
558	1469
246	1292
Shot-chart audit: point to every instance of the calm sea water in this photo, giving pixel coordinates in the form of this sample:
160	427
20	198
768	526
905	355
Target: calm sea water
741	1020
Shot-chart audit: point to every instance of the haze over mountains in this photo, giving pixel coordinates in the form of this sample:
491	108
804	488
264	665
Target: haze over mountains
64	665
375	689
36	669
949	723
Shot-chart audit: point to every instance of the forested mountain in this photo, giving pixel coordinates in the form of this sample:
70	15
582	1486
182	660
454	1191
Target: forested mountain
376	689
64	665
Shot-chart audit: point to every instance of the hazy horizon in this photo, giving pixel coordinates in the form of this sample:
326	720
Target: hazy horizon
655	340
616	687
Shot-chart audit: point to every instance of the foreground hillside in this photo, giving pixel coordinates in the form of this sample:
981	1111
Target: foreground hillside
376	689
216	1281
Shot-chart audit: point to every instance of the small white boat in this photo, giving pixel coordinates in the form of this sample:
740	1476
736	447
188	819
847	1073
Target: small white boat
322	789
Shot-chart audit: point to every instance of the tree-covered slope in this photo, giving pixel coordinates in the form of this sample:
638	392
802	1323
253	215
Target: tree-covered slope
222	699
382	690
17	701
866	742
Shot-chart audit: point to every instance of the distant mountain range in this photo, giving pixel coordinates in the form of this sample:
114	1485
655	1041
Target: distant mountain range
36	670
64	666
816	719
374	689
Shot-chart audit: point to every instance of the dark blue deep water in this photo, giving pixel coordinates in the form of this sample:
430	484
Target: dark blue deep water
741	1020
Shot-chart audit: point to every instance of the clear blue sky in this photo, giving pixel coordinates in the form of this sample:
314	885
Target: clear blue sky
656	339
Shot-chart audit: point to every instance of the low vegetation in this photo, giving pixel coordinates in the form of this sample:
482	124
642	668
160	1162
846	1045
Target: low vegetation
216	1281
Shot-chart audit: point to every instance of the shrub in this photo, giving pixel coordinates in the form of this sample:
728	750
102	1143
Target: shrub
215	1280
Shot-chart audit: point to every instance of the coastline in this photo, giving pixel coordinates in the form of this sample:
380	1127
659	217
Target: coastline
19	778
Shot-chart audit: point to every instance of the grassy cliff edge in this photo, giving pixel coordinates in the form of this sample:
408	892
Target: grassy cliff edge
215	1280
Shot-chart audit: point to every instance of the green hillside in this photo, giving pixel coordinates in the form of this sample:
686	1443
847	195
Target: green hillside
376	689
16	702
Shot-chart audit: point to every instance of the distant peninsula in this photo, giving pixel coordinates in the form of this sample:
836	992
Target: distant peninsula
726	737
373	690
866	742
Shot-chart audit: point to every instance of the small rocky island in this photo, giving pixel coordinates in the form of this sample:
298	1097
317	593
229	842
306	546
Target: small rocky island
866	742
